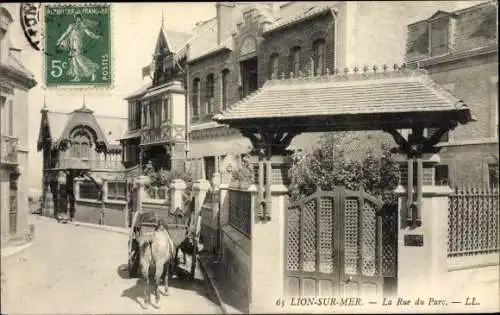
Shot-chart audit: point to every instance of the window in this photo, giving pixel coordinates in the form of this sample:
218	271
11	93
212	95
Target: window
210	94
88	190
439	37
494	101
158	112
137	117
117	190
144	115
319	57
295	60
166	109
441	175
196	97
249	76
225	77
209	167
444	138
10	131
493	175
273	66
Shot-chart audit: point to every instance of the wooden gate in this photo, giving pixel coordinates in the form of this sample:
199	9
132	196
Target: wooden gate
334	245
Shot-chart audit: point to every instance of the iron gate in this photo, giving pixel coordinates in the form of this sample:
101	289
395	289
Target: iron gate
334	245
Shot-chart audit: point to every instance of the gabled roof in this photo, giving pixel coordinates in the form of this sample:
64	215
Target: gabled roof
171	40
56	126
348	102
440	13
13	66
297	17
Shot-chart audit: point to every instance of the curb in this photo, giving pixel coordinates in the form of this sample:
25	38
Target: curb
11	250
210	278
207	272
89	225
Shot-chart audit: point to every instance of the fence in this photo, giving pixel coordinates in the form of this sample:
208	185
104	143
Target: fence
473	222
240	205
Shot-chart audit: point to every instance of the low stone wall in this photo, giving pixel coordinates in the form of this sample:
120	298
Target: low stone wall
236	250
90	212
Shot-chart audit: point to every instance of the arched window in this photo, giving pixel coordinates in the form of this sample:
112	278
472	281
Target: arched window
273	66
319	56
225	78
209	94
80	145
196	98
295	60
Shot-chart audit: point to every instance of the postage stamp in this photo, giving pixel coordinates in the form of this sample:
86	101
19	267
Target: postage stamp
77	45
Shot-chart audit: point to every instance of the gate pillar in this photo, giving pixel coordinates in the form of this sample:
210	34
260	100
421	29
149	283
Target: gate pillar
422	249
177	188
268	240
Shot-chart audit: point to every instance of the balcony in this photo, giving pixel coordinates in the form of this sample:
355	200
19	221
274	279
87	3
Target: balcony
156	135
94	164
8	147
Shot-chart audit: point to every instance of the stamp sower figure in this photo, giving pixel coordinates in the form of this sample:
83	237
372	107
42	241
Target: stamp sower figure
72	40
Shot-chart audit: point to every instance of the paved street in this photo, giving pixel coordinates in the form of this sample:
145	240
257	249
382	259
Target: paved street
74	269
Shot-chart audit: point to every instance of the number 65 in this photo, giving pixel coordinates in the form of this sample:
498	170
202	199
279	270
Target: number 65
57	67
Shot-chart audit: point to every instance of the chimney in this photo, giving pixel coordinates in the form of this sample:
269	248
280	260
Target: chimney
224	20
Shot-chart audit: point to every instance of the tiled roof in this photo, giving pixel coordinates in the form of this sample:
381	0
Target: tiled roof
109	128
399	92
302	15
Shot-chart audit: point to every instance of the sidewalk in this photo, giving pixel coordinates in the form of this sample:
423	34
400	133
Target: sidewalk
109	228
10	250
229	303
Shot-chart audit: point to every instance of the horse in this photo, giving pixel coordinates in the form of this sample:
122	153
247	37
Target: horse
156	254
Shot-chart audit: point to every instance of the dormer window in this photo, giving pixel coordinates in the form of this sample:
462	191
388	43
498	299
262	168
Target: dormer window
439	36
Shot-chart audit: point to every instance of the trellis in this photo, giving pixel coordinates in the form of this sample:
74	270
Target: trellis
473	222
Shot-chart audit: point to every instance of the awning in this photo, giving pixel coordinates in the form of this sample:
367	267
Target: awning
210	147
131	134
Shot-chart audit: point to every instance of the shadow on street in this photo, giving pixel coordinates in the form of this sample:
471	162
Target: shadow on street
180	280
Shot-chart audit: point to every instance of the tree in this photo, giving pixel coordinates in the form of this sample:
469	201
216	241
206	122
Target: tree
356	160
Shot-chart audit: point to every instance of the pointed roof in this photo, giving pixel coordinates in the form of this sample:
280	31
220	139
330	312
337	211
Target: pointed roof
170	41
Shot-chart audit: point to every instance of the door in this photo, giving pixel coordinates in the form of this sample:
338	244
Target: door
334	245
12	206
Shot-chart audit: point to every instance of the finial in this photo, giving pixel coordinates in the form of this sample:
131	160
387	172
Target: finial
356	69
282	75
84	105
162	18
346	70
300	74
44	102
384	67
375	68
396	67
365	69
291	74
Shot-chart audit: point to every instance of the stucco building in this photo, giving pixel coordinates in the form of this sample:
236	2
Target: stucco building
459	49
82	139
15	83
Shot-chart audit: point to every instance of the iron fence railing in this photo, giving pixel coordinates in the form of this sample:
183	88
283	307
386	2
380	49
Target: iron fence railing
473	222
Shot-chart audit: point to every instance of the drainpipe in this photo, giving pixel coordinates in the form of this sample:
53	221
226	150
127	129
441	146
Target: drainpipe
187	112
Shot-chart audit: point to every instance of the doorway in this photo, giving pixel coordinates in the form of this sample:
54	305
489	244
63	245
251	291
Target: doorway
249	76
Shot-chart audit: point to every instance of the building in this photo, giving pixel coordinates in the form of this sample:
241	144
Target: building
157	111
15	83
80	139
459	49
247	43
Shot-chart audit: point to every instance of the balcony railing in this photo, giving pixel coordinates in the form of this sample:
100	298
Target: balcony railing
157	134
95	164
8	147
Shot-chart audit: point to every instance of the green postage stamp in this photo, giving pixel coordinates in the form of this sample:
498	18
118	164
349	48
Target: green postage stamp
77	45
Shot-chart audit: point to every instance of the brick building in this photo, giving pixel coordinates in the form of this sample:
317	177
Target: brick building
15	84
459	49
247	44
232	55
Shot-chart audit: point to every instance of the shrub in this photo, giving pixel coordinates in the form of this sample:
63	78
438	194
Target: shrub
355	160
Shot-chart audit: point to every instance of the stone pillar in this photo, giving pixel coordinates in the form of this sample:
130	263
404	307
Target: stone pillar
178	156
200	188
216	182
141	182
268	246
177	188
422	250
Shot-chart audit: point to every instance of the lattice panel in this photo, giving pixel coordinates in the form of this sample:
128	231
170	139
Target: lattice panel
240	211
368	239
326	263
389	242
473	222
293	240
351	236
309	231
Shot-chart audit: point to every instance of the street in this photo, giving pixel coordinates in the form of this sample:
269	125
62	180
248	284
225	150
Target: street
75	269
